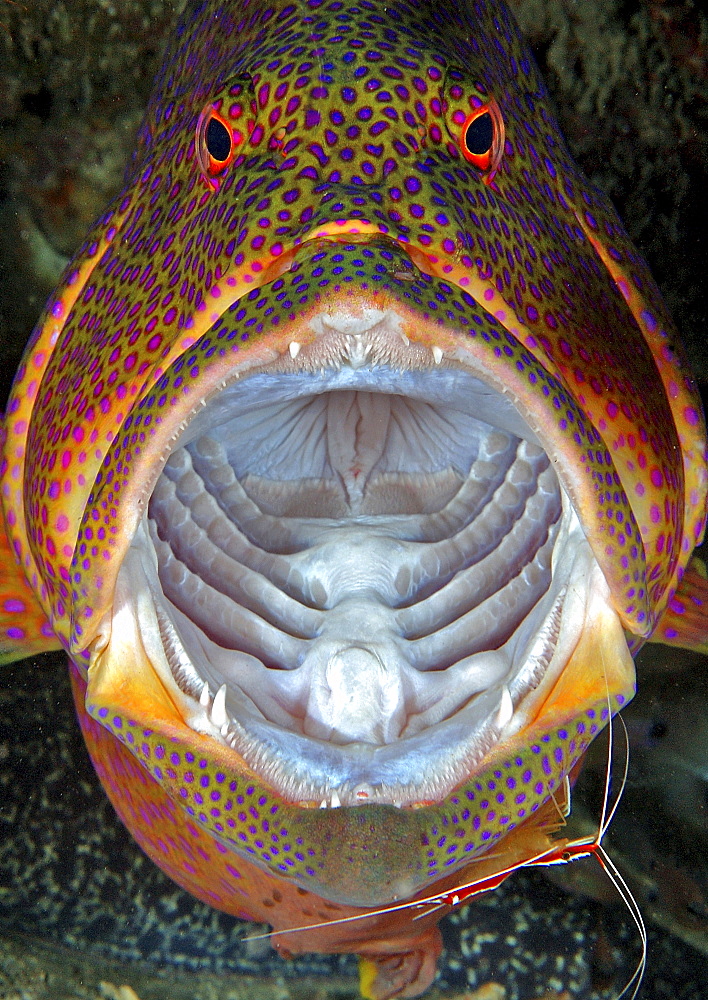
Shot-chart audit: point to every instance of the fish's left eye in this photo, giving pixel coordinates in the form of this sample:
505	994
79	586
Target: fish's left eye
482	139
215	142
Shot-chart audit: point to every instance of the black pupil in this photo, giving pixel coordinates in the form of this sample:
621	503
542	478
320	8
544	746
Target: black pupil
479	135
218	140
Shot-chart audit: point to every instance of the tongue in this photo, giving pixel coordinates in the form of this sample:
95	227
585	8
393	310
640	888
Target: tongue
354	698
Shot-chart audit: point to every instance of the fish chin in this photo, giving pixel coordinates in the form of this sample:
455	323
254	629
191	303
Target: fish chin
358	570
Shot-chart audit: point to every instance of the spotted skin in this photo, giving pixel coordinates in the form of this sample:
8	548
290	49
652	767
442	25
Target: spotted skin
347	178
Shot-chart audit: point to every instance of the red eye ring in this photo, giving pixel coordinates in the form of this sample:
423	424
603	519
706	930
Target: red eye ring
215	142
482	139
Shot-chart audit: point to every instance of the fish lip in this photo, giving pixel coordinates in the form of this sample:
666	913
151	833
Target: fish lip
352	230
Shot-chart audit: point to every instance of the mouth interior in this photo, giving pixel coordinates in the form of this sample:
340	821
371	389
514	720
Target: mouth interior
360	575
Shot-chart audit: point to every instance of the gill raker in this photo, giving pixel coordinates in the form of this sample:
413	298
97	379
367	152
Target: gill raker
351	456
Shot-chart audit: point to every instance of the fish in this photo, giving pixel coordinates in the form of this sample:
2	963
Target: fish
352	460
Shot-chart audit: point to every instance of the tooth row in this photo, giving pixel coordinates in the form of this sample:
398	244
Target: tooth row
437	352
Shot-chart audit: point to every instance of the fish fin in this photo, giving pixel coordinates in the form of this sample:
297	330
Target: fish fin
684	623
24	627
386	970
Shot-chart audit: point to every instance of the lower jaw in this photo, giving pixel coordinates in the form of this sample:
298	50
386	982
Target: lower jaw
143	709
409	772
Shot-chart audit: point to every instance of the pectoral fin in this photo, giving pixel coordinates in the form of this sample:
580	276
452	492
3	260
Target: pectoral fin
685	621
24	628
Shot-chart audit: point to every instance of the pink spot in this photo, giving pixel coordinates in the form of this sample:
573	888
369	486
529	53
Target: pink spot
612	410
639	489
690	415
655	513
656	477
488	294
62	522
14	606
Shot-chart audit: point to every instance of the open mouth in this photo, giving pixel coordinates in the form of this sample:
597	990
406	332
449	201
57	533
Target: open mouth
362	568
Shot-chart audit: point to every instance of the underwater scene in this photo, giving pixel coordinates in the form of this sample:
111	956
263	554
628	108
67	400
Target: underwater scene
417	723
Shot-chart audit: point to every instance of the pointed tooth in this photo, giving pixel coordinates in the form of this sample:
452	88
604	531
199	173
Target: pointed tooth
323	804
218	709
437	354
224	730
506	708
335	802
294	348
204	696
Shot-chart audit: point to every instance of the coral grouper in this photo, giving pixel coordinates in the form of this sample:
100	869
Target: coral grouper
351	461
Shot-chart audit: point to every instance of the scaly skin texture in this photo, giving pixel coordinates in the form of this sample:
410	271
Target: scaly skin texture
347	181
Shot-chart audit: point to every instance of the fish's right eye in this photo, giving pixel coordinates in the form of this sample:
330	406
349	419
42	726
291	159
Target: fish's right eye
215	142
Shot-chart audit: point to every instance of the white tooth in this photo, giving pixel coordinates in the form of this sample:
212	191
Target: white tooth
323	804
437	354
218	709
204	696
405	339
294	349
224	730
335	803
506	708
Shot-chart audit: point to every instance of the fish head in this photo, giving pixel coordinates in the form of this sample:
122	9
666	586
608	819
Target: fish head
355	449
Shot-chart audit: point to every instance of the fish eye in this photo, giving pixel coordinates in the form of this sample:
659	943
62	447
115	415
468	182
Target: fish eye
478	137
482	139
218	140
215	142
